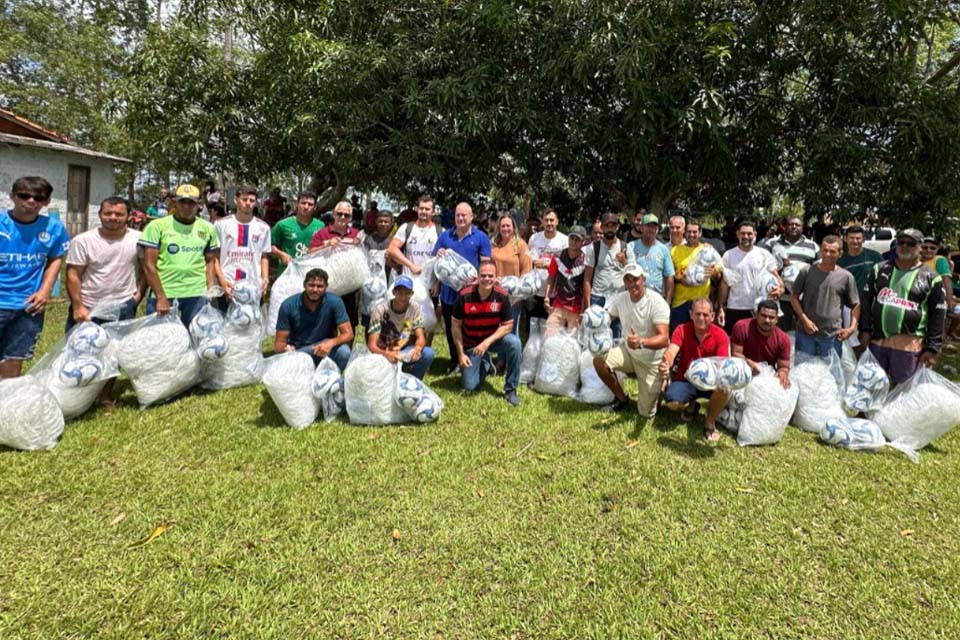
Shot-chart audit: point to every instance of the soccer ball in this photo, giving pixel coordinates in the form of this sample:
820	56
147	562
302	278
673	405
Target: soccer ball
702	374
338	395
866	432
596	317
790	273
528	285
80	372
205	325
445	270
465	273
696	275
734	373
324	383
708	257
510	284
409	391
767	284
213	348
835	432
245	293
88	338
426	410
872	376
374	288
243	315
599	343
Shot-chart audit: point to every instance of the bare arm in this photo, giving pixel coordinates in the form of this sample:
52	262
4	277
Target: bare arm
668	284
280	343
395	254
150	256
74	278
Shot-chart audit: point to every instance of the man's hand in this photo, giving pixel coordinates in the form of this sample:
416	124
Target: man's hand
721	317
465	361
634	339
480	349
664	370
415	354
753	366
784	376
845	333
440	252
286	258
81	314
263	288
323	348
416	270
163	306
546	304
228	290
711	271
621	257
391	355
775	294
809	327
37	303
332	242
929	359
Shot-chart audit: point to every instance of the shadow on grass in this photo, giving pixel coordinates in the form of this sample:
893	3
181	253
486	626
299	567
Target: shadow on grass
270	416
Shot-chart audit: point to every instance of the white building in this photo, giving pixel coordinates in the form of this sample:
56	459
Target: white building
81	178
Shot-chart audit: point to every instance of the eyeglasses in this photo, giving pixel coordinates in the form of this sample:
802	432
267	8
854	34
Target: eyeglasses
343	215
907	243
929	247
36	197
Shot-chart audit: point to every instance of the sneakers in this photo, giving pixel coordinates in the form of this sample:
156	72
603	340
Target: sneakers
618	406
512	398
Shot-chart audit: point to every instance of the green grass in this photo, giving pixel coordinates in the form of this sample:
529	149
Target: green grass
552	521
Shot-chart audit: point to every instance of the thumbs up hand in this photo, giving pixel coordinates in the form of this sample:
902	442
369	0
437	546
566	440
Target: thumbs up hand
634	341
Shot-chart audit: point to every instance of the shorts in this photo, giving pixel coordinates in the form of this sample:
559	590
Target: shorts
19	332
648	378
898	364
684	392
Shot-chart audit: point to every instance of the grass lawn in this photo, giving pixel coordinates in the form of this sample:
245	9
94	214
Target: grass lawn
551	521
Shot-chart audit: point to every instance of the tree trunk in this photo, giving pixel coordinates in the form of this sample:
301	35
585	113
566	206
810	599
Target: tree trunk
660	201
329	187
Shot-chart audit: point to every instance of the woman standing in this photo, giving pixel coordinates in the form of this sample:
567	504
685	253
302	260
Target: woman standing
509	253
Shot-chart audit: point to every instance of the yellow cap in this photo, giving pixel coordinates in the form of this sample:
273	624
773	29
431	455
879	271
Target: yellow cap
188	191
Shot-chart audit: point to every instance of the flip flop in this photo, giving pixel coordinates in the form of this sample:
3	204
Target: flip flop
711	435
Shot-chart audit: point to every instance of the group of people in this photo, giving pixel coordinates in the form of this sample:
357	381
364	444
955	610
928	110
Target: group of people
662	319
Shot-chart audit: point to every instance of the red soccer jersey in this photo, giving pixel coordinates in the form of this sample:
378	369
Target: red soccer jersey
714	343
480	317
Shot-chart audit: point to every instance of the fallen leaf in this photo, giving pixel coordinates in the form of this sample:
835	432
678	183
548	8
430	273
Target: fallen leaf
632	444
906	533
373	436
744	489
156	533
120	517
480	492
844	501
396	534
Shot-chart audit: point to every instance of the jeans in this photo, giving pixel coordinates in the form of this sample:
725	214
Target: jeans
188	307
447	311
340	354
508	348
419	368
615	325
817	346
19	332
516	318
684	392
127	312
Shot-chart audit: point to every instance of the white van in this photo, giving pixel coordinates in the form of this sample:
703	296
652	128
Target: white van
879	238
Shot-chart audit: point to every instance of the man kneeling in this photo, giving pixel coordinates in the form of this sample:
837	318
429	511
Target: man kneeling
315	322
697	338
482	322
396	330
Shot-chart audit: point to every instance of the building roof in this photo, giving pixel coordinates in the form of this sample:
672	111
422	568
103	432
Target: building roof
18	125
18	141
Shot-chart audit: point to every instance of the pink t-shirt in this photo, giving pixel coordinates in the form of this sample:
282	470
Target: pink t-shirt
110	265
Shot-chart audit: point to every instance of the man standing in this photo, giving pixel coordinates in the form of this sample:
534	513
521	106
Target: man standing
654	257
747	263
646	321
244	247
684	293
472	245
544	247
413	242
798	249
291	236
274	207
179	257
859	261
564	296
483	323
31	252
103	265
315	322
758	340
904	311
396	330
340	231
677	226
697	338
605	259
819	295
635	231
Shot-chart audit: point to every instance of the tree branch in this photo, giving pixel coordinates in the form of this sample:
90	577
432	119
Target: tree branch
945	68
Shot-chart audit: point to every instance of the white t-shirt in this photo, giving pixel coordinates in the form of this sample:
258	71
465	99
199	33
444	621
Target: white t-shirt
608	277
111	265
540	246
749	265
419	245
641	316
241	246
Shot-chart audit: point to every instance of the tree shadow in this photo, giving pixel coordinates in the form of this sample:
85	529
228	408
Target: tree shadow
270	417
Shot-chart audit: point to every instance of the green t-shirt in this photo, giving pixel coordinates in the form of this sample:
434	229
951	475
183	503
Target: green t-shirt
292	237
860	266
182	248
940	265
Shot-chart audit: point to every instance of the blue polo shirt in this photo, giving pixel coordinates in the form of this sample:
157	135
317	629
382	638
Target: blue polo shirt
473	246
310	327
24	252
655	260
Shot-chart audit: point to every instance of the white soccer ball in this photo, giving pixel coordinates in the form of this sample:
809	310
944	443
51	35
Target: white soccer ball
445	270
213	348
835	432
872	376
80	372
324	383
205	325
767	284
374	288
596	317
409	391
243	315
510	284
789	274
866	432
599	343
528	285
734	373
708	257
339	396
426	410
465	273
696	274
88	338
245	293
702	374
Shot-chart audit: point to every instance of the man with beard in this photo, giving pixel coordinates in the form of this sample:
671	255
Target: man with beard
315	322
635	231
654	257
605	260
759	340
683	256
291	236
413	242
544	246
748	263
905	308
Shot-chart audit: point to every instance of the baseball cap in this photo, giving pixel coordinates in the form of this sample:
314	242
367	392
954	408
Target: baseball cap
911	233
403	281
651	219
610	217
635	270
577	231
188	192
931	240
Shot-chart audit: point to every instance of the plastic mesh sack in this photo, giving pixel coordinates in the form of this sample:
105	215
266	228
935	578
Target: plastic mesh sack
30	418
368	399
421	296
857	434
766	284
558	371
288	378
419	402
523	287
346	265
327	387
244	309
156	353
919	410
592	388
767	408
289	283
241	365
732	415
531	351
707	374
596	317
790	273
206	329
454	270
73	400
868	387
374	290
819	399
696	273
597	341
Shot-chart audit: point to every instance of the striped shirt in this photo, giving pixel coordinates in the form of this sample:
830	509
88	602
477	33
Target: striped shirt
481	317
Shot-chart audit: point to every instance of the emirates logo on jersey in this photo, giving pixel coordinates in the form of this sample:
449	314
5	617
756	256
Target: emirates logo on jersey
888	296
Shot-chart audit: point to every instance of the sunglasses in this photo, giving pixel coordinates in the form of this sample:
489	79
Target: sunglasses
907	243
31	196
343	215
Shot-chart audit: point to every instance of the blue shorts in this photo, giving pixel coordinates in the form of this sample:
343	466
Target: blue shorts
683	391
19	332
